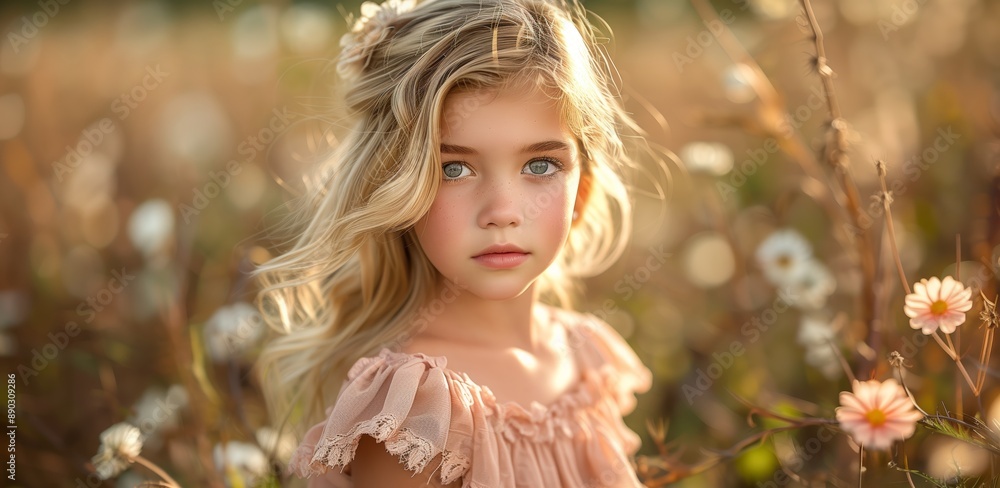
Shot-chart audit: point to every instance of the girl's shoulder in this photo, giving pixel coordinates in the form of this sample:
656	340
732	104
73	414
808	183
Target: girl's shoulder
420	408
600	347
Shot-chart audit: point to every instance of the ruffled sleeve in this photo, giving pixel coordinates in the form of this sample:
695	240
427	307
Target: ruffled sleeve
605	349
403	401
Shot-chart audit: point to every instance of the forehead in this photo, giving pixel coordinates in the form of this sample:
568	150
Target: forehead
471	115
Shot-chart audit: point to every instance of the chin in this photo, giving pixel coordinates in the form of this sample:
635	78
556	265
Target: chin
499	289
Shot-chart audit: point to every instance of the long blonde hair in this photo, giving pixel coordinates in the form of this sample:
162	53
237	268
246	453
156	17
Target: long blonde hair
354	278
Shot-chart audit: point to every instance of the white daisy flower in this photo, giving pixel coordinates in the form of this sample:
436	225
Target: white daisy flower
815	330
151	226
824	358
158	411
782	255
241	459
707	157
818	336
809	286
120	444
232	330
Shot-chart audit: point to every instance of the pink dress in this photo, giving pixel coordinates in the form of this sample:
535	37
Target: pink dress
419	408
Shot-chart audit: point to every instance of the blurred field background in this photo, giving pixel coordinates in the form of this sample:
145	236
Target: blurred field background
144	147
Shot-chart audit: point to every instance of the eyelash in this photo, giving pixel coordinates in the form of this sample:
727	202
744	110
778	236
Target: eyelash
559	167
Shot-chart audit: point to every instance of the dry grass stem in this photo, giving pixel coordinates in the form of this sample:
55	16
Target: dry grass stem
836	157
886	198
950	351
156	469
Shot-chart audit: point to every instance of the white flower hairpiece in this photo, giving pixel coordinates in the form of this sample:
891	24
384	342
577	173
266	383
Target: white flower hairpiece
369	30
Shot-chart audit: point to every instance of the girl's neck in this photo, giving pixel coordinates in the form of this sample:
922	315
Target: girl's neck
475	322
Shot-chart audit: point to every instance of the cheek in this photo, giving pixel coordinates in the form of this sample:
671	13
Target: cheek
436	229
555	217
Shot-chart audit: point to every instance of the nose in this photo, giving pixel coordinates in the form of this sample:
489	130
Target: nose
501	204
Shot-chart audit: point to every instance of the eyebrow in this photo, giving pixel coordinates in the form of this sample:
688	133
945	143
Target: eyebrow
531	148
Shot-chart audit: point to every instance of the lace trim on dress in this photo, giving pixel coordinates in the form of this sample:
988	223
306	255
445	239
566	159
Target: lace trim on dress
453	466
414	452
339	449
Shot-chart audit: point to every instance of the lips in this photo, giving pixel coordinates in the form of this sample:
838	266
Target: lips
501	257
501	249
502	260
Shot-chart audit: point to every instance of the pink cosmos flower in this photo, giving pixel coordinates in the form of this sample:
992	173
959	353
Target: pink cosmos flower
936	304
877	413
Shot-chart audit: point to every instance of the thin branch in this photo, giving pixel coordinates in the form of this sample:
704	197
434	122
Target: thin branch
949	350
951	345
913	400
861	465
906	467
794	147
957	346
989	317
984	358
887	205
836	157
156	469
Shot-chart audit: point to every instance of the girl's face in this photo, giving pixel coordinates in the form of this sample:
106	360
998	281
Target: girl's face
511	174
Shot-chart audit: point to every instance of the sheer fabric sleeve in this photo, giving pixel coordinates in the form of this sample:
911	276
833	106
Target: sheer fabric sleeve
607	349
402	401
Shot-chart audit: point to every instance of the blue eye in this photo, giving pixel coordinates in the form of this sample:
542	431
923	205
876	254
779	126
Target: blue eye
540	166
453	169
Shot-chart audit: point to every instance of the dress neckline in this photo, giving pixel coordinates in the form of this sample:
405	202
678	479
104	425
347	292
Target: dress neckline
580	393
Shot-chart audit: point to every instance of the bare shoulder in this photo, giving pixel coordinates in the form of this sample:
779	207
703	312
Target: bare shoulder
374	467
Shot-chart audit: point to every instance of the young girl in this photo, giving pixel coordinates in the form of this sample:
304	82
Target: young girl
480	179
